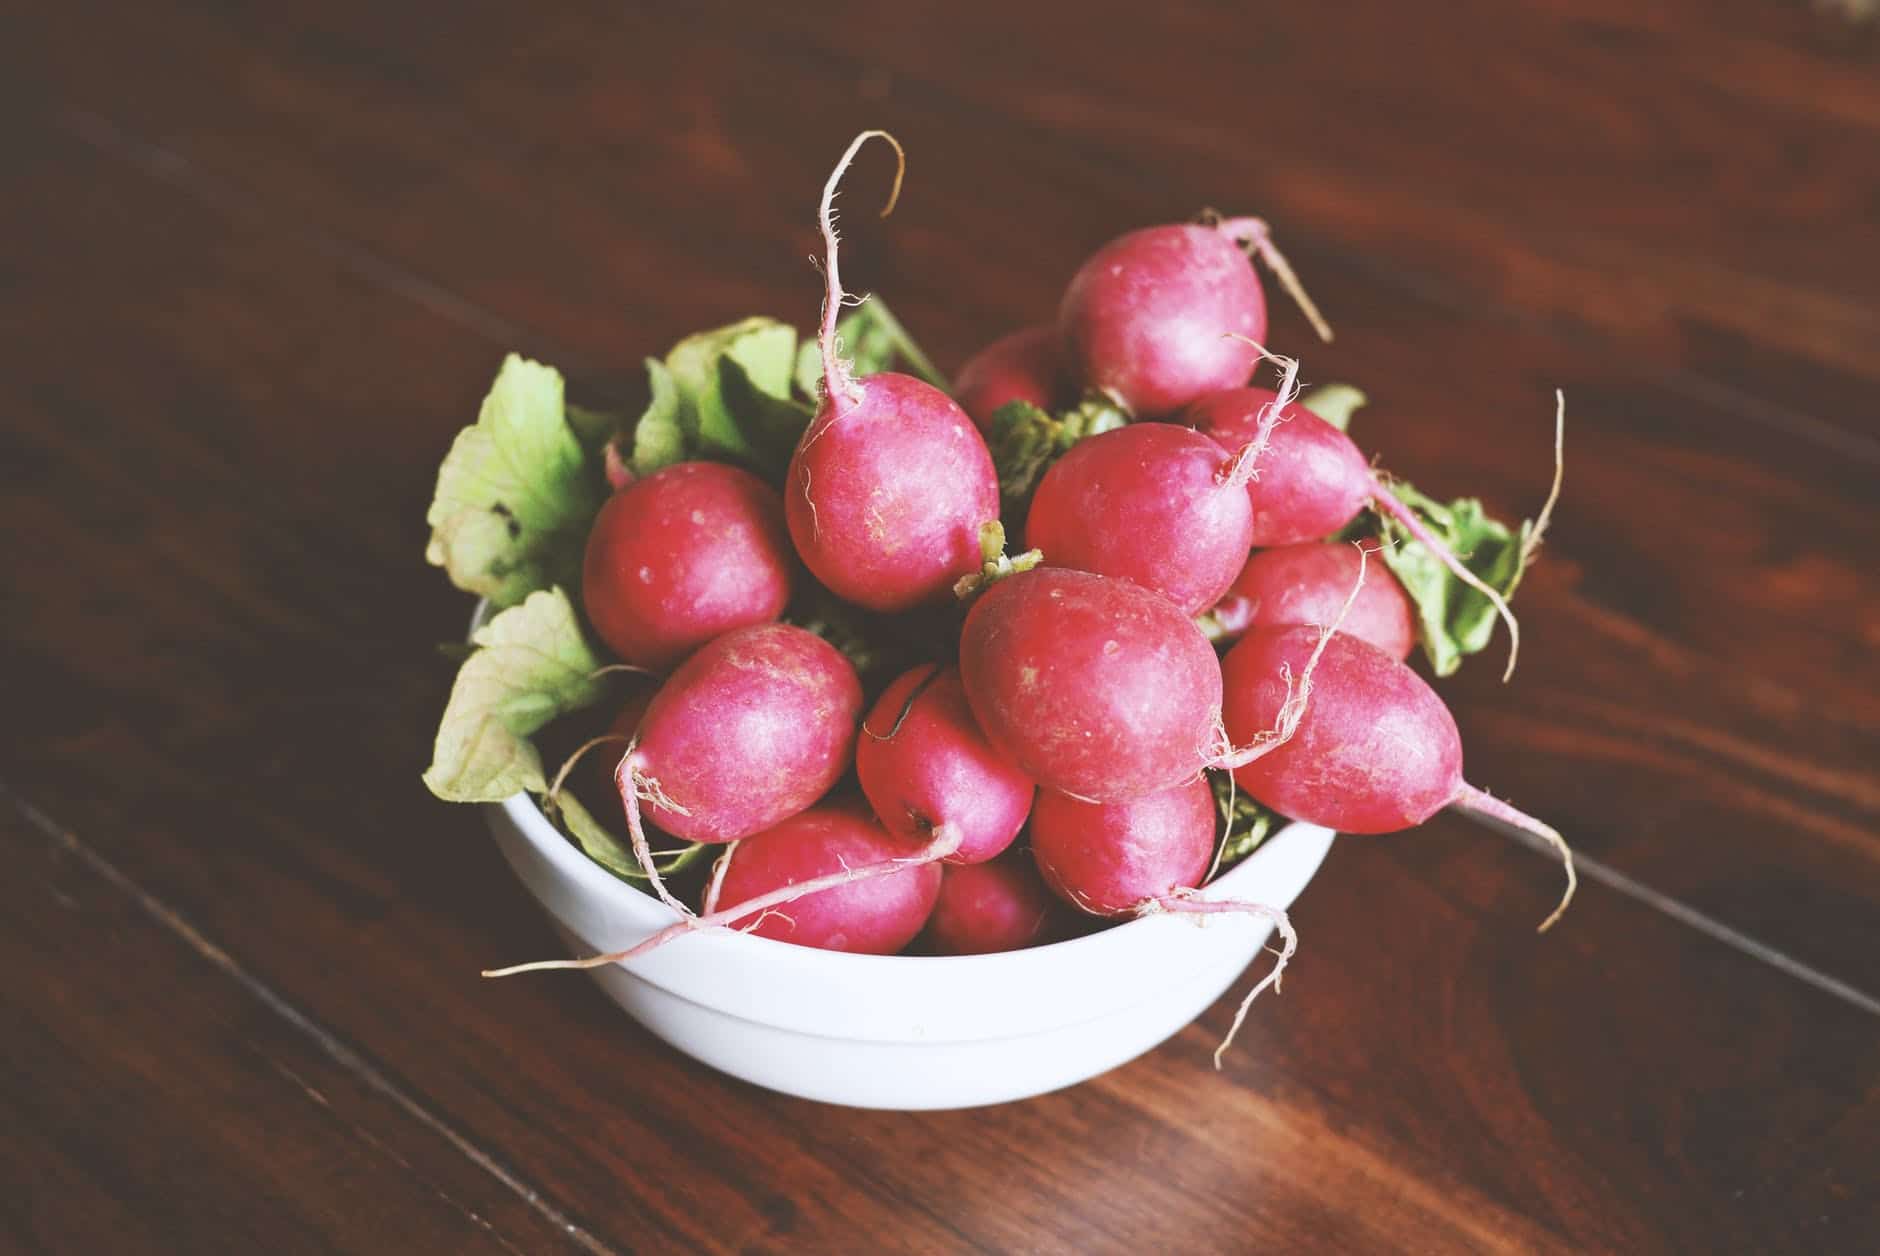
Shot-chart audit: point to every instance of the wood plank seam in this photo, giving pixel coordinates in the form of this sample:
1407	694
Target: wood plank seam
346	1057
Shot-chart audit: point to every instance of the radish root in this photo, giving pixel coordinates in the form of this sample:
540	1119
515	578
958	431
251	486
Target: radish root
1530	548
838	382
1482	803
1255	234
1189	901
1242	465
1387	502
633	785
946	840
561	778
716	884
1293	709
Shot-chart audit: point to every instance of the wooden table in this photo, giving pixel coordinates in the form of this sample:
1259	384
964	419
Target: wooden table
259	263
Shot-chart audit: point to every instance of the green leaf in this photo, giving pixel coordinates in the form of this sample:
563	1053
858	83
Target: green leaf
516	492
610	851
723	394
1025	441
531	665
770	425
1453	620
1335	403
1245	823
659	437
593	428
873	340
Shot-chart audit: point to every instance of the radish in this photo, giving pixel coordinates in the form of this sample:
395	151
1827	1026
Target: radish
890	481
1376	750
1023	366
1091	686
923	762
750	730
1140	857
827	858
873	915
1144	319
1152	503
1110	858
1306	584
998	906
682	556
1312	480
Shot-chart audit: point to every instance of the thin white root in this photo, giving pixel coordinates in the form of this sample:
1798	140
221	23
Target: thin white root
1255	233
1387	501
1186	900
633	785
612	668
1530	548
716	884
1293	709
1482	803
837	380
567	765
1220	847
946	840
1243	464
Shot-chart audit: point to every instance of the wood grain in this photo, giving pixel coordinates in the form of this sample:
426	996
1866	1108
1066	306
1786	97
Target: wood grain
243	307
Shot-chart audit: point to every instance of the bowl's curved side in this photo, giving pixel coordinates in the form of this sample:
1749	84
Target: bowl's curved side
905	999
915	1075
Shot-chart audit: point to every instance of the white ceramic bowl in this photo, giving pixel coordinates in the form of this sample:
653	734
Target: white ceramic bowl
896	1031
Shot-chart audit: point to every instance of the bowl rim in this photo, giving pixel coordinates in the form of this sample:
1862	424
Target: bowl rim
528	818
591	878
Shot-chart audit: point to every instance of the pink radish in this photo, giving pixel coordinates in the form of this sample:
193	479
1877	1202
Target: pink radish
1376	750
1312	480
1140	857
890	482
1144	319
750	730
1152	503
687	553
836	851
1306	584
1110	858
998	906
1023	366
876	915
1091	686
923	762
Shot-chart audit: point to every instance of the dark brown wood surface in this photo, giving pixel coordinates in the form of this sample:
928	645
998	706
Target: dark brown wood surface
257	264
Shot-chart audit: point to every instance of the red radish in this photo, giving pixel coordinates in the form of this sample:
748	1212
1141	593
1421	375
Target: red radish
1312	480
684	555
750	730
923	762
834	851
1023	366
876	915
1140	857
1110	858
998	906
1152	503
890	482
1376	750
1144	320
1307	584
1091	686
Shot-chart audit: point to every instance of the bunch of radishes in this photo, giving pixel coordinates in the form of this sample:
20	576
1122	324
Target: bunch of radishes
1052	752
